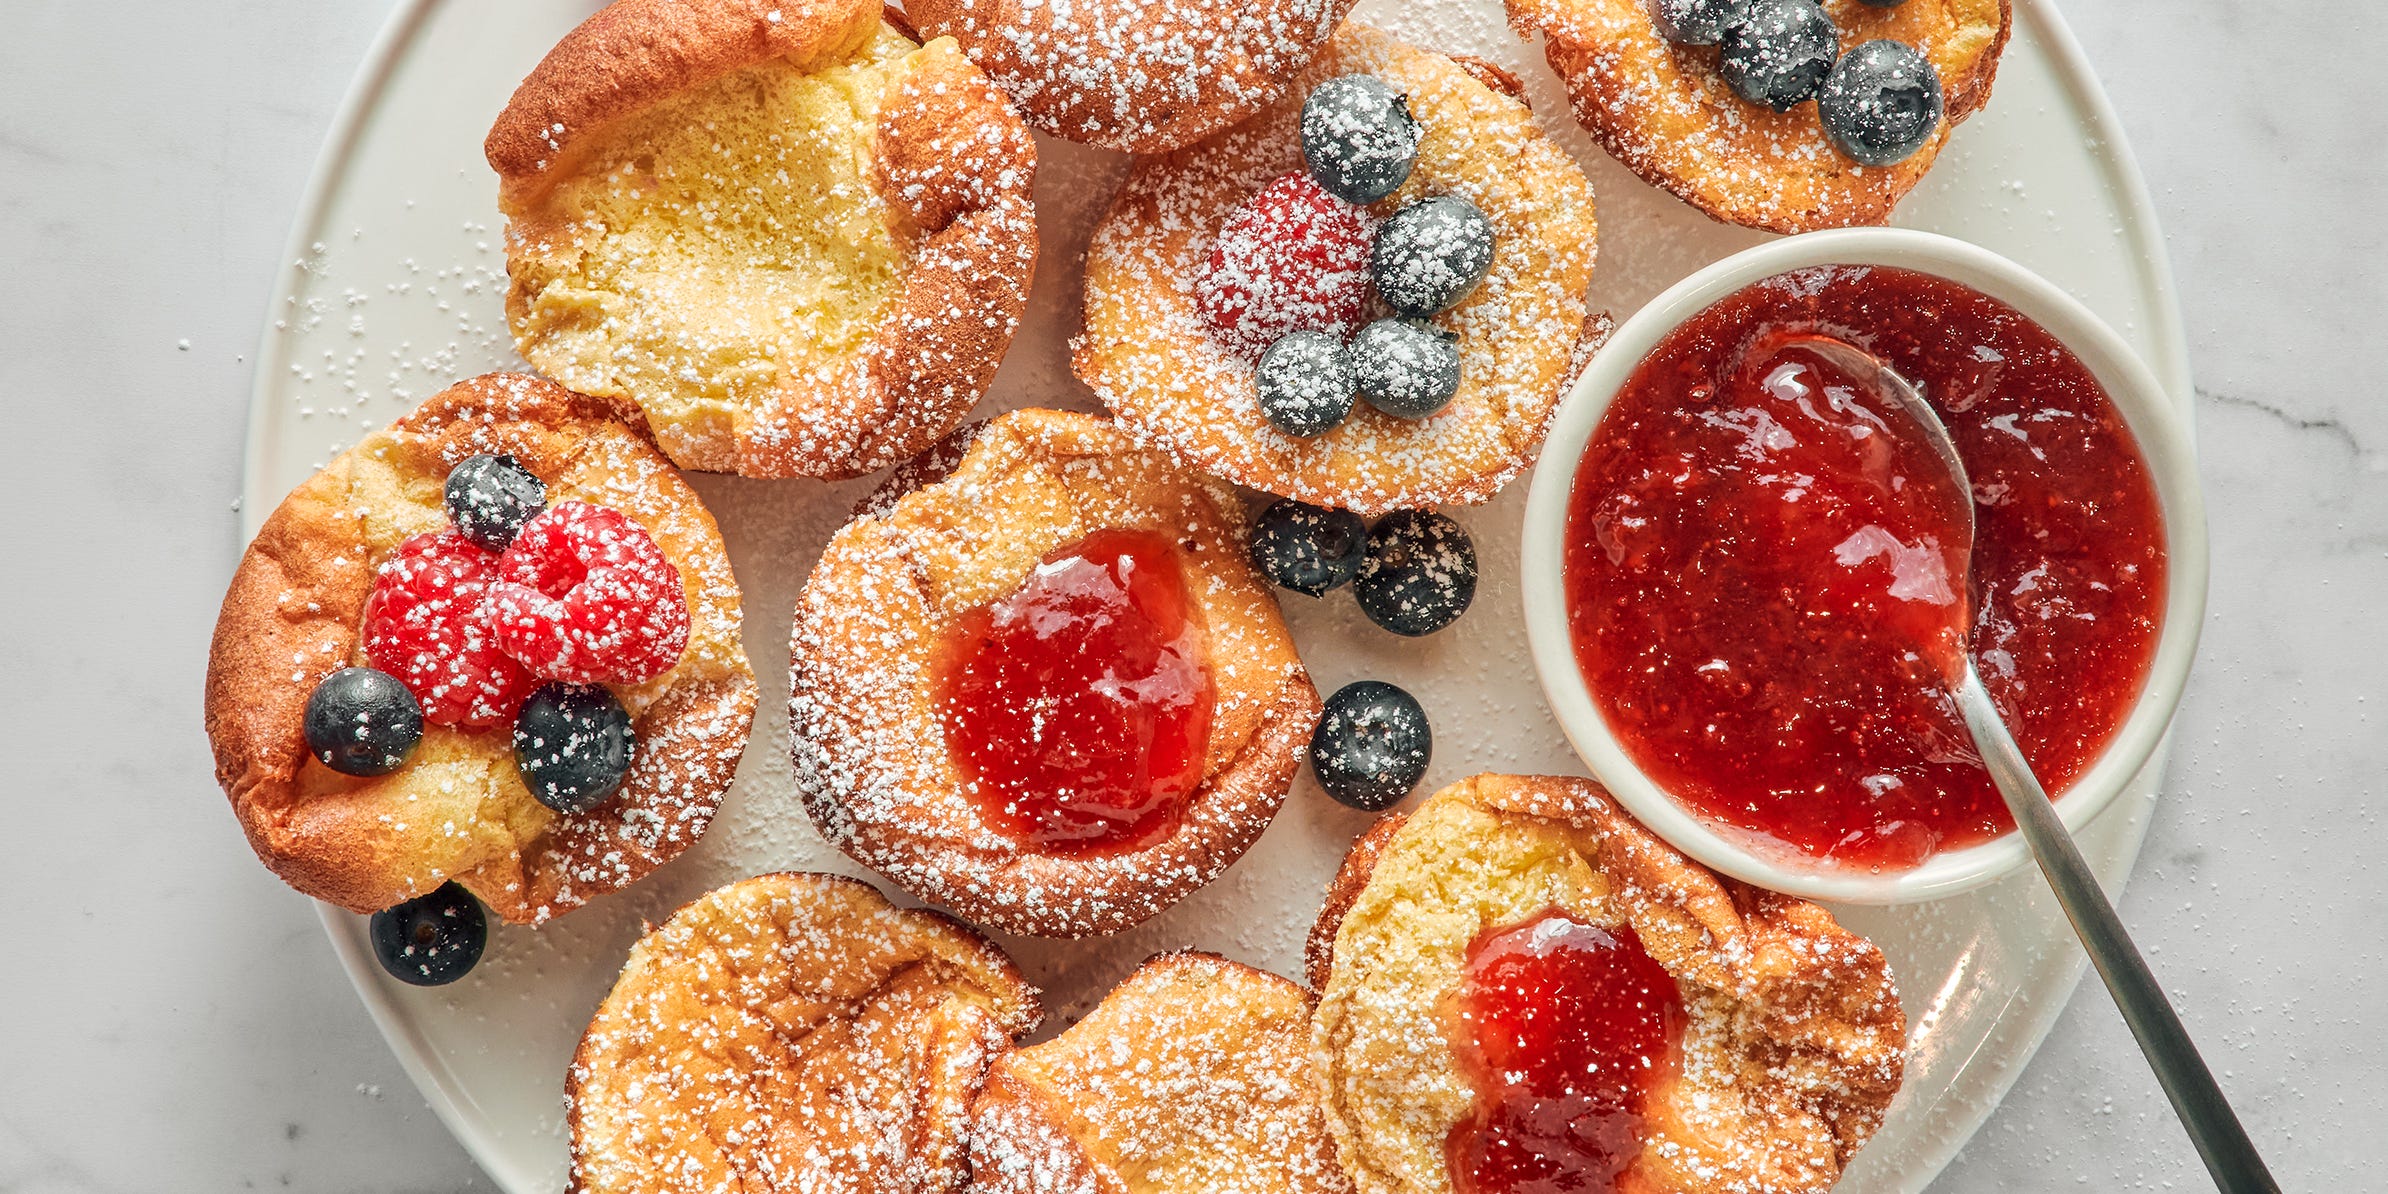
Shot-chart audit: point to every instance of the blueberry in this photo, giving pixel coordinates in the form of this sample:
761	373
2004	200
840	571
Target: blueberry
490	497
1359	136
1371	745
572	744
1309	549
1694	22
1778	53
1880	103
1419	575
1409	370
1305	382
362	722
1884	3
1430	254
430	940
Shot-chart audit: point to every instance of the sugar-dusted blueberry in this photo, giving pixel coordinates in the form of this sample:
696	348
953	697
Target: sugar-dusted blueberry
1305	382
1881	103
431	940
1404	368
1419	574
1430	254
1359	137
1694	22
362	721
1778	53
1371	746
1309	549
572	743
490	497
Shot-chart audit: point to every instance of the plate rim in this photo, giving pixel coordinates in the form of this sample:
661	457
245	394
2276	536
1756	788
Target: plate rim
471	1125
448	1099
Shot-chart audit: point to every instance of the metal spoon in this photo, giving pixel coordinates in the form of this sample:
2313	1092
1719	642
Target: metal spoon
2229	1156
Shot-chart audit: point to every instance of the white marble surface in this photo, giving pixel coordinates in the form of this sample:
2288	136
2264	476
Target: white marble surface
171	1018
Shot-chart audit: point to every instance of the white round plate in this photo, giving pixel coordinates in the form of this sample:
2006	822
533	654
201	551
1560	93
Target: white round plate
395	288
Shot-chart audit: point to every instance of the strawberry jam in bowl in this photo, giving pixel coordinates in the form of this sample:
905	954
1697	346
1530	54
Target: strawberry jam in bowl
1748	580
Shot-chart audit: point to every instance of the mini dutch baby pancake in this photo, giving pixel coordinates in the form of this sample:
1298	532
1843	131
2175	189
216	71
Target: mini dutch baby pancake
1192	1077
1786	115
495	643
1370	295
1522	989
1139	77
1047	690
796	241
792	1033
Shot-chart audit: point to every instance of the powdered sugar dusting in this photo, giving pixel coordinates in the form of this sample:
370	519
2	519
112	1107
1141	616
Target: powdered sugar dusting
870	757
791	1032
691	719
1792	1046
1146	351
1663	111
1288	258
791	271
1194	1075
403	294
1138	75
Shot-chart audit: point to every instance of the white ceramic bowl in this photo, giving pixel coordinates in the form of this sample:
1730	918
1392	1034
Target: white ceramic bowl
2154	420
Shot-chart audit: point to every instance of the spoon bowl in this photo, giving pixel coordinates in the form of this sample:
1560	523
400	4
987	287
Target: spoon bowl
1905	399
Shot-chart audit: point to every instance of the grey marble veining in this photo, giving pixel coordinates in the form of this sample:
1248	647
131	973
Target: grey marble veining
172	1020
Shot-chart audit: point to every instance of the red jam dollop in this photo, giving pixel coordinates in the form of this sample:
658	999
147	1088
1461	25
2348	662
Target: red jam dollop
1561	1027
1079	707
1760	564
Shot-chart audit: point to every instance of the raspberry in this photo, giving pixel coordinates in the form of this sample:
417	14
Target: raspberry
427	623
584	595
1289	258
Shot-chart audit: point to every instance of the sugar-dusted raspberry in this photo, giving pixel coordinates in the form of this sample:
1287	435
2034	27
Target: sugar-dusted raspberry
585	595
427	623
1291	257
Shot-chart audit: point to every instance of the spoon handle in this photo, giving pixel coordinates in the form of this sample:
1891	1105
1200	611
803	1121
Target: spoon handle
2229	1156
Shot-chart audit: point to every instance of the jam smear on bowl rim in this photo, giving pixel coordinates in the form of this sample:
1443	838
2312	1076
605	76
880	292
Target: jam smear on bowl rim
1751	556
1079	706
1562	1027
